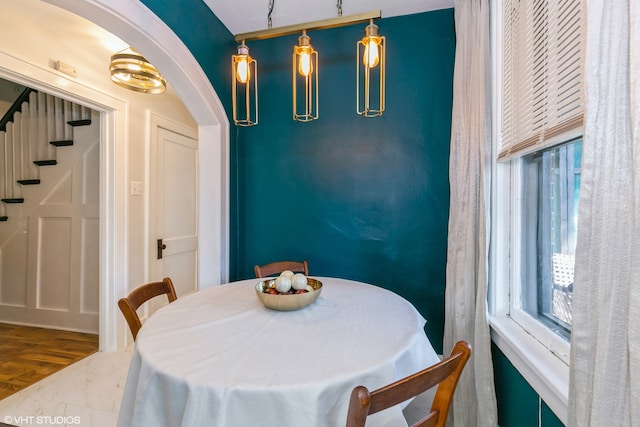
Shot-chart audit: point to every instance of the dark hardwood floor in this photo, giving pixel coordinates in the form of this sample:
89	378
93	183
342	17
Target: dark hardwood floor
29	354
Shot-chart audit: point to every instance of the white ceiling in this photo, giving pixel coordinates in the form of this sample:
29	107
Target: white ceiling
242	16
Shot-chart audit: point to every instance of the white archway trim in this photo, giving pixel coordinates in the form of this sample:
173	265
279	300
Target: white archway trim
132	21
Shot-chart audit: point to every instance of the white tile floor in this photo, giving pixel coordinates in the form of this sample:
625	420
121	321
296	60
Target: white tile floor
87	393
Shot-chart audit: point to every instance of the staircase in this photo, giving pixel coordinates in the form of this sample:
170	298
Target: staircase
49	192
31	132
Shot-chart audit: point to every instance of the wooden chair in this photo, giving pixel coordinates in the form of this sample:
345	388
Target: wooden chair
139	296
444	374
280	266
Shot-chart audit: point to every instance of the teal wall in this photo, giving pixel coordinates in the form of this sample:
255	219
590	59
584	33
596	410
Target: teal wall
359	198
518	404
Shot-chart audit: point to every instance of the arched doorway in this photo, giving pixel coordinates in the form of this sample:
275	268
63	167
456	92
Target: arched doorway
133	22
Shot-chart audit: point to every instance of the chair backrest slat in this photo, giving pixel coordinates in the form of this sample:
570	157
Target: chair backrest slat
445	374
280	266
130	304
409	387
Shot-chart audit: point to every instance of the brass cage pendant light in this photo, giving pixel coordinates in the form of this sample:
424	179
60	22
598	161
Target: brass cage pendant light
245	87
370	73
305	75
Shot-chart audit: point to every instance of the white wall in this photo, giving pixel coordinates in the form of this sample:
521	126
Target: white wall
33	36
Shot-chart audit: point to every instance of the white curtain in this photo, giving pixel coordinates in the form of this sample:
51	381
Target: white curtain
470	159
605	339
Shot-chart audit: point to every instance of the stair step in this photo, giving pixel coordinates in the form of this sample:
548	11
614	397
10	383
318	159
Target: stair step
4	218
45	162
62	143
81	122
29	181
16	200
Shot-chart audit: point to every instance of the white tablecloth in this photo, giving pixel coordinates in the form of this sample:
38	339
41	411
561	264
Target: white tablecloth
219	358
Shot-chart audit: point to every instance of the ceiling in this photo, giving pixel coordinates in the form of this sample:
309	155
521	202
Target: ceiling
242	16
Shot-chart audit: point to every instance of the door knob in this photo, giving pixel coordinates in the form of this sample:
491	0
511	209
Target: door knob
161	247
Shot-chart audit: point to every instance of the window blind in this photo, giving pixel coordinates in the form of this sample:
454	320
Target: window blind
543	74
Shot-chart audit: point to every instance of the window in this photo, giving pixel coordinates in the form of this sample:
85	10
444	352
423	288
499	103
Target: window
542	114
538	121
550	189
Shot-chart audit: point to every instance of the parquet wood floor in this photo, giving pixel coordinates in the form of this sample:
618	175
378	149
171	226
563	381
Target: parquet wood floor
29	354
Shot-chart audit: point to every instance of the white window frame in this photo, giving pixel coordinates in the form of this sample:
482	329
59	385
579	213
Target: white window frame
539	355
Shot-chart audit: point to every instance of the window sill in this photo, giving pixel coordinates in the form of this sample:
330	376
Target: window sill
544	371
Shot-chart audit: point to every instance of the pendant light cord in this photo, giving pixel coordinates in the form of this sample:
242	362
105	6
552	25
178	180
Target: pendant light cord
339	5
271	4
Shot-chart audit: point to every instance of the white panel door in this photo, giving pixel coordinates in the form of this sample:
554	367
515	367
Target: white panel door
175	209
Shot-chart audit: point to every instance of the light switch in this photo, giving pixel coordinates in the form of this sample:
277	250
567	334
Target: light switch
136	188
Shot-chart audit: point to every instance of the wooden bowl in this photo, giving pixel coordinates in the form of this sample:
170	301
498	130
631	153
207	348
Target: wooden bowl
287	302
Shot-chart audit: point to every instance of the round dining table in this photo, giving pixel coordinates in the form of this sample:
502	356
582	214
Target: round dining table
219	358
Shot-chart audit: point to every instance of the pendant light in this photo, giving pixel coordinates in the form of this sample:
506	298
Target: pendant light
305	75
370	63
305	64
132	71
245	87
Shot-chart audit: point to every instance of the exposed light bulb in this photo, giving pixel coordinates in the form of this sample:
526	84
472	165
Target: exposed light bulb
371	56
304	50
243	75
305	67
242	61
